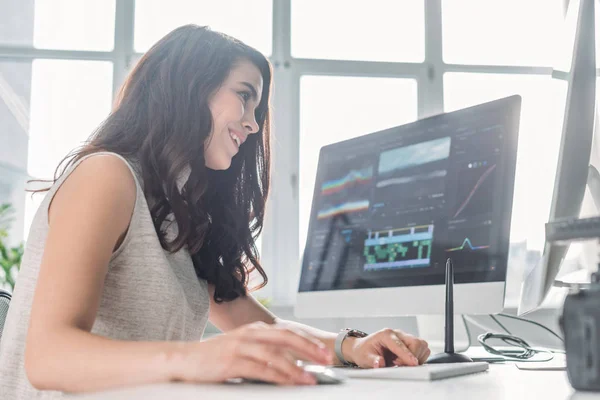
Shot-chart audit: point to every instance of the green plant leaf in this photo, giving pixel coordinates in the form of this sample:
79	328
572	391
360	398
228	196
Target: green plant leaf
10	258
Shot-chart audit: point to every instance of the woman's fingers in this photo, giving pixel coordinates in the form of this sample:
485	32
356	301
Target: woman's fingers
271	357
419	347
374	361
395	345
423	359
296	341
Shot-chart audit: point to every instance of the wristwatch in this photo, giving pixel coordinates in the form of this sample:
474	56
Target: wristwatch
344	333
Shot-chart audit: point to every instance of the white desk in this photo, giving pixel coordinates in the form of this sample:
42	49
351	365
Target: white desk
502	381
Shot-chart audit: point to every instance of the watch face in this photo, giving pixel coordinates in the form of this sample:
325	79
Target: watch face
356	333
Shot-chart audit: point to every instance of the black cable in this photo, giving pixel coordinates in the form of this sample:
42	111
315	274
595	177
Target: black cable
500	324
524	355
533	322
467	329
525	352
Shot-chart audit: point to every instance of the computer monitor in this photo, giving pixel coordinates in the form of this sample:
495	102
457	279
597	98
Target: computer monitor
390	207
574	154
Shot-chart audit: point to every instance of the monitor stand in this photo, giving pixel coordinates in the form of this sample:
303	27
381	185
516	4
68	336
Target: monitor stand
449	356
582	278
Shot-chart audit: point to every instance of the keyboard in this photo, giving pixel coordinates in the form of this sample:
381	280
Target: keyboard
426	372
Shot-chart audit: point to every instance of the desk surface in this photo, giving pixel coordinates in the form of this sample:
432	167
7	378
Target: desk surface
503	381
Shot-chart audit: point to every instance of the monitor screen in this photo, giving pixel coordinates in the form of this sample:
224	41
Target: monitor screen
390	207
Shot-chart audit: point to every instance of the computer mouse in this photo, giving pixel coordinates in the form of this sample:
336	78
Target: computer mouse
324	375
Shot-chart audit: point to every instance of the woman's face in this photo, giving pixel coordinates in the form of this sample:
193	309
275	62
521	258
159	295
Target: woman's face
232	108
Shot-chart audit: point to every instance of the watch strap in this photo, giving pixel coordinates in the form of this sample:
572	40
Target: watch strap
344	333
338	345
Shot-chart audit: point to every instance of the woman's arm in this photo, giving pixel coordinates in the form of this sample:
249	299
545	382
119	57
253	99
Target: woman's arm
243	310
386	347
88	217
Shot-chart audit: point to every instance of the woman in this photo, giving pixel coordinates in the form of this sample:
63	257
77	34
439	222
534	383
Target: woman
150	230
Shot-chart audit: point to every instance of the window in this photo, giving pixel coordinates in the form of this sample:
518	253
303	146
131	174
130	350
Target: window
566	39
74	24
501	32
374	77
16	23
58	24
377	30
15	87
335	108
69	99
250	21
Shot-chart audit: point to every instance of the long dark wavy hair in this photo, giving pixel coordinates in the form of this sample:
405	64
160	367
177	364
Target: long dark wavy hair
161	120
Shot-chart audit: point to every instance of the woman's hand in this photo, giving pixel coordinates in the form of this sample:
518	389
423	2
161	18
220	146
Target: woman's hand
255	351
386	348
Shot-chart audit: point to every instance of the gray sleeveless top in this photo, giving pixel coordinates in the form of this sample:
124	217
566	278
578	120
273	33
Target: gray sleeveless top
149	294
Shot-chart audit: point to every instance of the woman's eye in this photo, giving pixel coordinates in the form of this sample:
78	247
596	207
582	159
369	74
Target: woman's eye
245	96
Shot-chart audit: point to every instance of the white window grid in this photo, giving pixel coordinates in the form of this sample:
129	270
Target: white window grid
280	251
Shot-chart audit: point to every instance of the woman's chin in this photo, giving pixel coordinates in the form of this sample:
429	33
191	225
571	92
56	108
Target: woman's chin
219	165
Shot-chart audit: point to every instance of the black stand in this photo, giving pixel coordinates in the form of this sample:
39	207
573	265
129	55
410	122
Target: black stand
449	356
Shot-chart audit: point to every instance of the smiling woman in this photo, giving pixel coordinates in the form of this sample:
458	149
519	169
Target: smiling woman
150	230
233	107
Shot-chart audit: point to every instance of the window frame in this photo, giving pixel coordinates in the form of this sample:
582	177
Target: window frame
281	258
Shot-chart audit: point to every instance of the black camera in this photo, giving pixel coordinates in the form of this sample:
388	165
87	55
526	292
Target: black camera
580	324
